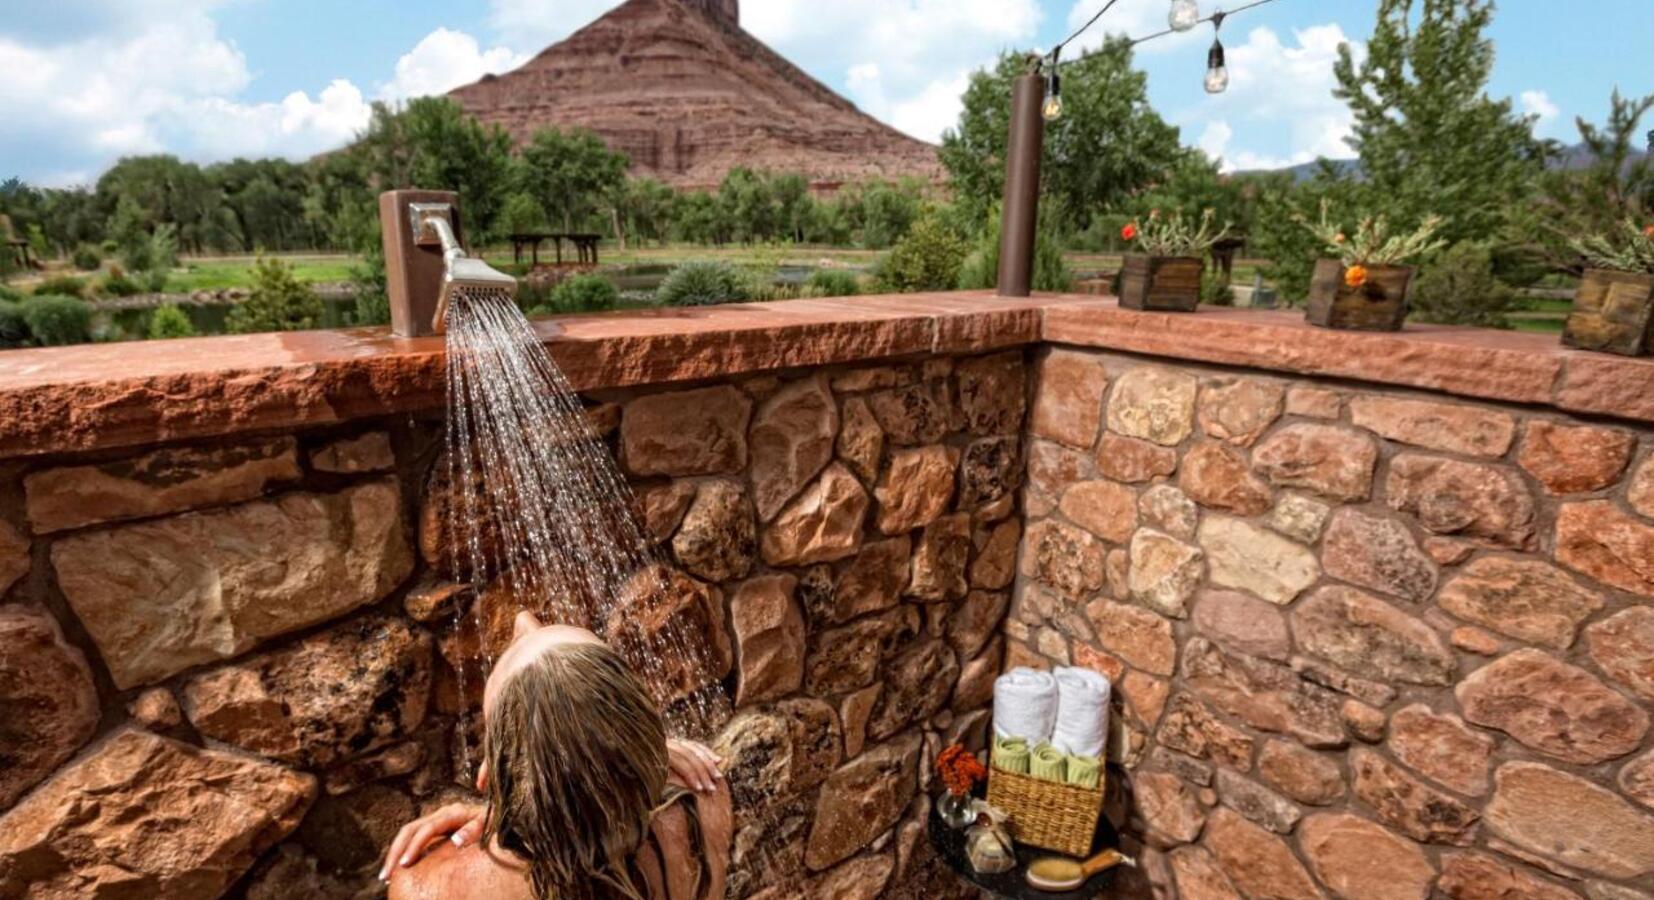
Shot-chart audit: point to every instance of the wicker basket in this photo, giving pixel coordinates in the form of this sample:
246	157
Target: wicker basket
1048	814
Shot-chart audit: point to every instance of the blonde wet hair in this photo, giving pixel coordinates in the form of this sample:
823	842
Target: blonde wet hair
576	755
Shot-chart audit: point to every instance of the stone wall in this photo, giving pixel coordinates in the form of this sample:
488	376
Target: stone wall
1368	643
225	667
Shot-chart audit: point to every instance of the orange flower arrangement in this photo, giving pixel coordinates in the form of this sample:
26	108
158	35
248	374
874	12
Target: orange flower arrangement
1355	276
960	769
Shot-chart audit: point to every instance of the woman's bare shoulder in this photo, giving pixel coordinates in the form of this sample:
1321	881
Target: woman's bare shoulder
455	873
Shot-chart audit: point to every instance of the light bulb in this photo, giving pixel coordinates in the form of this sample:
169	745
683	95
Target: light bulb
1053	108
1185	15
1217	74
1053	92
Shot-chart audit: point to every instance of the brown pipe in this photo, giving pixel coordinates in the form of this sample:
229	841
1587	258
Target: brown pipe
1020	216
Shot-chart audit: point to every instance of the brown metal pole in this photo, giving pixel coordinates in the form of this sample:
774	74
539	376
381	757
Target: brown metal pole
1020	216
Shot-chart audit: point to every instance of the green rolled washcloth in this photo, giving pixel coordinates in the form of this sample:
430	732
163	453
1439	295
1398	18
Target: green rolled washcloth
1048	763
1011	754
1084	771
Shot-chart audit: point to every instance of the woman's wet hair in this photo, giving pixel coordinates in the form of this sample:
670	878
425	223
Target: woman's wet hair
576	755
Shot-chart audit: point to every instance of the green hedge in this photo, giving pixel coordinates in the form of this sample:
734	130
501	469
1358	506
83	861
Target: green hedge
56	320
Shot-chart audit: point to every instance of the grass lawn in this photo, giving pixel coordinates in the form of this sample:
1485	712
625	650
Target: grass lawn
217	273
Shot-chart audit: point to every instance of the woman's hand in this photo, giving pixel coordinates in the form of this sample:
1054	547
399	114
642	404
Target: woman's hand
692	766
462	822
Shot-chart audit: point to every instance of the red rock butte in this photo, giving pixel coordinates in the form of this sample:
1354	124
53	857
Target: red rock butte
682	89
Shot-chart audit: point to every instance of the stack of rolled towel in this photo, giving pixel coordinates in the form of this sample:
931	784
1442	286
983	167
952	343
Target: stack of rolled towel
1051	725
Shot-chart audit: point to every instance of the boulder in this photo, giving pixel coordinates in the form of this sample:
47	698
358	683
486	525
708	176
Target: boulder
717	540
861	800
677	433
1164	572
769	638
1300	518
791	441
331	696
168	480
823	523
161	596
1154	404
1170	510
1553	707
141	815
48	701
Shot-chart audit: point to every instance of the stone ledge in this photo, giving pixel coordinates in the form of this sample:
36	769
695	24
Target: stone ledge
120	395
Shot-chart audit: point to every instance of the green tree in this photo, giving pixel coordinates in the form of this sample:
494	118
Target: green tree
749	204
1430	138
432	143
170	322
887	212
1615	184
573	174
1108	145
522	214
278	301
927	258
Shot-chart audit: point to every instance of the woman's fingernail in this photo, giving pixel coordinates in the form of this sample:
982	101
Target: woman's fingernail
458	839
407	860
385	875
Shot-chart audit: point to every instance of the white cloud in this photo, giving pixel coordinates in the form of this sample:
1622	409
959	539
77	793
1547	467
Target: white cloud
1277	88
444	60
1545	112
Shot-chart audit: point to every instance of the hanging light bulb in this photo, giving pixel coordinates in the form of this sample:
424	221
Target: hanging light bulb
1217	73
1053	89
1185	14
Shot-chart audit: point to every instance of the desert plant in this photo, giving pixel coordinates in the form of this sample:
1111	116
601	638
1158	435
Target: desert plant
927	258
62	286
1631	249
832	283
702	284
14	331
1373	244
1459	287
1173	235
87	258
170	322
278	301
56	320
580	293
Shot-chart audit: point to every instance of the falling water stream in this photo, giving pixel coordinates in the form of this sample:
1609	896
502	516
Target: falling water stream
540	515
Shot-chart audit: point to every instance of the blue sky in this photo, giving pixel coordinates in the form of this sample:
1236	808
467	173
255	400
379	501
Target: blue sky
90	80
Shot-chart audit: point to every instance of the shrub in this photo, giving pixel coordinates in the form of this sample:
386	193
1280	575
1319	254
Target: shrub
14	331
980	270
1214	288
119	284
87	258
56	320
927	258
579	293
702	284
832	283
170	322
369	290
1459	288
278	301
7	292
62	286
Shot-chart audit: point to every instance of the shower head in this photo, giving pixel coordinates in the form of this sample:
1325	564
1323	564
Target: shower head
426	267
462	274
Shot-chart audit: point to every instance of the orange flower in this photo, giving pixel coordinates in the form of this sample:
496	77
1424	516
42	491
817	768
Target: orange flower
960	770
1339	238
1355	276
1129	232
1648	231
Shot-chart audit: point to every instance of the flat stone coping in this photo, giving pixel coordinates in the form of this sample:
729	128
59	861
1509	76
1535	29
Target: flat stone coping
91	397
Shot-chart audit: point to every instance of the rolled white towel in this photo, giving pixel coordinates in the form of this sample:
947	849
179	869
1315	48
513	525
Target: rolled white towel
1081	727
1025	704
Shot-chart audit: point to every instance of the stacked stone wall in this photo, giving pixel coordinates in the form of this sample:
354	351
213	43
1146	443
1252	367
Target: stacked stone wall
1367	643
228	667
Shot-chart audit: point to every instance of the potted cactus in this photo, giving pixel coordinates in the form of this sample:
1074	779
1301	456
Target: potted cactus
1614	304
1165	275
1364	287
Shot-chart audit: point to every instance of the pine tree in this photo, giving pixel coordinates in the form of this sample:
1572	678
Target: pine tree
1430	138
1615	184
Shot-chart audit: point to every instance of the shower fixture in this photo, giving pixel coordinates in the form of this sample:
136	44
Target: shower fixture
426	266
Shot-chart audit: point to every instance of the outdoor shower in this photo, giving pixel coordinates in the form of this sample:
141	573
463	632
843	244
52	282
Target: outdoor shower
426	266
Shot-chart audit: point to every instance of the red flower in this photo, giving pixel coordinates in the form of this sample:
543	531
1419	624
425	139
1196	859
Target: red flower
1648	231
1129	232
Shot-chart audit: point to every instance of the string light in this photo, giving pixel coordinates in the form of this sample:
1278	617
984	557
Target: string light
1184	15
1053	88
1217	74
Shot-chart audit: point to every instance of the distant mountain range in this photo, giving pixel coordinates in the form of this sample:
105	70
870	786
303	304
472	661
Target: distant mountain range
1572	157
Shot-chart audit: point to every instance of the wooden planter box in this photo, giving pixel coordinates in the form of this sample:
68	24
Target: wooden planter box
1161	283
1613	312
1378	305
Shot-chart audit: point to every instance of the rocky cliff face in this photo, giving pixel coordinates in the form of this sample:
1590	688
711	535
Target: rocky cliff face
679	87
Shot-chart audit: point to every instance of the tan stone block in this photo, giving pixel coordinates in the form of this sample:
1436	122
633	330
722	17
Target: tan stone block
1485	503
1240	410
1553	707
1623	647
791	440
697	432
1336	463
717	540
860	440
370	452
1170	510
48	697
1441	747
916	488
1377	553
1154	404
1242	555
1104	508
1260	864
1068	398
1598	540
823	523
1216	475
1133	461
1136	635
993	393
1477	876
1567	819
1164	572
861	800
1453	427
1409	805
1364	635
769	638
1525	599
1359	860
1314	403
1302	774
